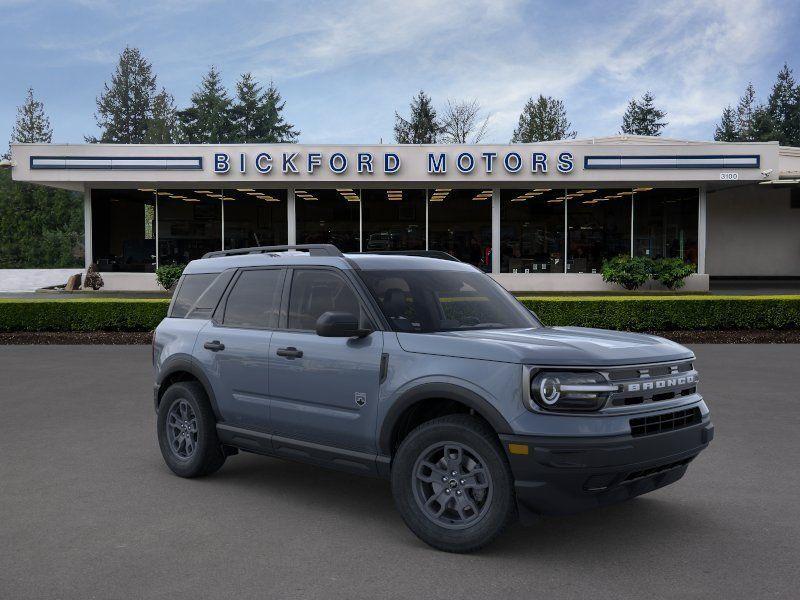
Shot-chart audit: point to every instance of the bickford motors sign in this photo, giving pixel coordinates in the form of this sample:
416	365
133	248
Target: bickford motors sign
390	163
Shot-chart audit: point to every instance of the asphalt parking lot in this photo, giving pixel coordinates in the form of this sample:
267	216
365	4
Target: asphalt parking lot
88	509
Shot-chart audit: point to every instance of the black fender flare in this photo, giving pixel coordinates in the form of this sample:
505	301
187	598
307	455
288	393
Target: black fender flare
184	363
447	391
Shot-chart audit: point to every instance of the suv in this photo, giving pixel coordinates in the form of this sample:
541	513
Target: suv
424	371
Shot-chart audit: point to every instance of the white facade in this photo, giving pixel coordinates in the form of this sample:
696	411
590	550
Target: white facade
741	226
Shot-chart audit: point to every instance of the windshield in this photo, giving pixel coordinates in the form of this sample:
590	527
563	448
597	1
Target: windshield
431	301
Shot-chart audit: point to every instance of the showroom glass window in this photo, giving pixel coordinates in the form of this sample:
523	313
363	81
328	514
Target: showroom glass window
393	219
665	223
254	217
328	216
189	224
598	227
532	230
460	223
123	230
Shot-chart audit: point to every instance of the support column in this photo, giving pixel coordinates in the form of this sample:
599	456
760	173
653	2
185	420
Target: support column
291	218
495	230
87	226
702	211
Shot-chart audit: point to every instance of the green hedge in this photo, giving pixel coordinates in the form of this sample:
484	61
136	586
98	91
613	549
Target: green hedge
665	313
96	314
632	313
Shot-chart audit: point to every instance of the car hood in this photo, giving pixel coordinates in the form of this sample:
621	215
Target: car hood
562	346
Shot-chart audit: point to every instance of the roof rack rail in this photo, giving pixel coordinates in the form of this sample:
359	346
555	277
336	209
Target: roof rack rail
313	250
426	253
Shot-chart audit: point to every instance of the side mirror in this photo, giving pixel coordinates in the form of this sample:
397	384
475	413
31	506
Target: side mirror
340	324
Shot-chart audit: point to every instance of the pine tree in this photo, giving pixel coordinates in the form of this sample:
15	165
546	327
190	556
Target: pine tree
124	107
784	108
208	118
32	125
275	128
422	126
257	114
744	114
726	130
162	127
643	118
541	120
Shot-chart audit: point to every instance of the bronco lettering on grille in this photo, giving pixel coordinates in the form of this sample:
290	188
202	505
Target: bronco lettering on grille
658	384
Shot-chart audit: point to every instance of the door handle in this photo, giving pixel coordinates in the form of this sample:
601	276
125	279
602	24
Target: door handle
290	352
214	346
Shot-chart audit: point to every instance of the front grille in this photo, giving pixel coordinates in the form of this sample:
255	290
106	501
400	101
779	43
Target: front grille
655	470
652	383
665	422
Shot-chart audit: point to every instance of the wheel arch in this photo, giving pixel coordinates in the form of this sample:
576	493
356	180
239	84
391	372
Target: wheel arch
182	368
413	399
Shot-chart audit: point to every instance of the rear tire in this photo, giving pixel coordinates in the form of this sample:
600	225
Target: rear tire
187	432
459	512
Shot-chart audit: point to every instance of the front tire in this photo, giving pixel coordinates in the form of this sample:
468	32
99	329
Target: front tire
187	432
452	484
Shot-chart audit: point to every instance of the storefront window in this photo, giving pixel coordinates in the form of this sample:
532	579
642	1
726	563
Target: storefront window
328	217
599	226
665	223
254	217
460	223
123	224
189	224
393	219
532	230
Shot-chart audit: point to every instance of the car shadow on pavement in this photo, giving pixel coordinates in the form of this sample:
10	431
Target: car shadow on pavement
620	530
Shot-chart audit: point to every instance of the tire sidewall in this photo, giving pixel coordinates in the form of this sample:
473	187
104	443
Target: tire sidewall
206	430
470	432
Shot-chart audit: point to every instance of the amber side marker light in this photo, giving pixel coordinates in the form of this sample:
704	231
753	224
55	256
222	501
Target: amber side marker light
518	448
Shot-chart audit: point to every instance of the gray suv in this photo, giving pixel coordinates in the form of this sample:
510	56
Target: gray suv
423	370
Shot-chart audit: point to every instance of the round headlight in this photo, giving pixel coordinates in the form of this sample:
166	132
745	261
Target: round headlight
549	390
570	390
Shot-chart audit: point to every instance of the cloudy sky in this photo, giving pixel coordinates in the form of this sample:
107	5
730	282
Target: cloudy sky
345	67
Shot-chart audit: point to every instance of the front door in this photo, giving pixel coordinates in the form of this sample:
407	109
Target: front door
234	348
324	390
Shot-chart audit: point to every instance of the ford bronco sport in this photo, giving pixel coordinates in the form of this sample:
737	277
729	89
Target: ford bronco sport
422	370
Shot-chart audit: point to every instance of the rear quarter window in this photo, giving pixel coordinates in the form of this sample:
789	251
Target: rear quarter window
189	290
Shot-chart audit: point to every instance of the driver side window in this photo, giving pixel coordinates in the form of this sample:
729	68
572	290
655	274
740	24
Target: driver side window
314	292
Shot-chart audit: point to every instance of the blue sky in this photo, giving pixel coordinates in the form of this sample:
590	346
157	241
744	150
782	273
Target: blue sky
345	67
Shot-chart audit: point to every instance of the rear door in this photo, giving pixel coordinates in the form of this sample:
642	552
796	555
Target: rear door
324	390
233	347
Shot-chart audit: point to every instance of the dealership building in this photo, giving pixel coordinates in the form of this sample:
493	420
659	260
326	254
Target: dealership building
537	217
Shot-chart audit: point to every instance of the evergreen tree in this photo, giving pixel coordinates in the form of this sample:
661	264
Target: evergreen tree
162	127
275	128
208	118
40	227
257	114
32	124
784	108
541	120
422	126
124	107
643	118
726	130
744	114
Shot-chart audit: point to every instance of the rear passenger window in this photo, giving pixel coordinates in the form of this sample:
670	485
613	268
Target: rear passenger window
254	300
189	291
315	292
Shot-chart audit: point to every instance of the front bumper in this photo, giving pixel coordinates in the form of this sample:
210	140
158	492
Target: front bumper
562	475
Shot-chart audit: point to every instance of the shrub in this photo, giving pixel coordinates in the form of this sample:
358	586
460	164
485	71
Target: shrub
672	272
629	272
665	313
167	275
93	279
89	314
